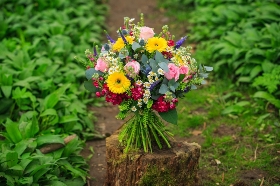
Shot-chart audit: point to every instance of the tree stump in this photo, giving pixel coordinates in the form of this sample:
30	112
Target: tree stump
176	166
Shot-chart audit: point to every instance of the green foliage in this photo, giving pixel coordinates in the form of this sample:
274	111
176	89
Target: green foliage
240	39
143	128
270	81
232	139
41	88
23	160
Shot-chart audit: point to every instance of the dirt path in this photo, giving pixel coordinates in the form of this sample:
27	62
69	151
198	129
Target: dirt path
106	122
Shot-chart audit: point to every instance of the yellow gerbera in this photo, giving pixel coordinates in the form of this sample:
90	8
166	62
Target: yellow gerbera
119	44
156	43
118	83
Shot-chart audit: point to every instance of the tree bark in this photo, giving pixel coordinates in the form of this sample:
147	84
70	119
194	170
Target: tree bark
176	166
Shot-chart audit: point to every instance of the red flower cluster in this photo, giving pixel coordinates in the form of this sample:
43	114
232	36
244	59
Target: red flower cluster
169	55
161	105
111	97
137	92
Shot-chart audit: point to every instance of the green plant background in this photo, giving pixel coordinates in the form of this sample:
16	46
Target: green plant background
41	93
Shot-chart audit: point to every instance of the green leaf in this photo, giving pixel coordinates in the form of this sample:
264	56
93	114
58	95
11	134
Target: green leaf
49	138
208	68
16	168
13	132
90	87
255	71
90	72
9	179
24	163
52	115
135	46
26	180
75	182
163	89
193	87
164	66
72	146
40	174
11	158
160	58
32	128
244	79
68	118
6	105
59	183
77	172
233	109
170	116
144	59
270	98
52	99
20	147
7	90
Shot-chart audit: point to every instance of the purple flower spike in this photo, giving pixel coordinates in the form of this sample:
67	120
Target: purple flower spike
154	84
180	42
123	38
108	37
94	51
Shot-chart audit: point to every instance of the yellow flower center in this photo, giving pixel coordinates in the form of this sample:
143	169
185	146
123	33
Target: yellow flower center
156	43
118	83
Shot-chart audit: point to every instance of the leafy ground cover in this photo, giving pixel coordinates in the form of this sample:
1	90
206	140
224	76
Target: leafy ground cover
235	118
235	148
41	93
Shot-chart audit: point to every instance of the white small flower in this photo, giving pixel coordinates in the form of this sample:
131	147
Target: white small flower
145	100
151	81
133	108
151	73
147	85
117	69
156	78
139	82
139	104
160	71
111	70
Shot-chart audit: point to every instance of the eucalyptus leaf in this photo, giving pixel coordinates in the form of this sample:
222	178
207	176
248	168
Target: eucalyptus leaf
207	68
91	71
193	87
170	116
90	87
144	59
163	89
135	46
164	66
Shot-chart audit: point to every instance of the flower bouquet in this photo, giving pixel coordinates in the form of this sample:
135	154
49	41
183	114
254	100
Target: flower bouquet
143	73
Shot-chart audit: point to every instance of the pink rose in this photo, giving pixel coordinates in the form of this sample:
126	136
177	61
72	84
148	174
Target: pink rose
101	65
173	72
132	68
146	33
184	70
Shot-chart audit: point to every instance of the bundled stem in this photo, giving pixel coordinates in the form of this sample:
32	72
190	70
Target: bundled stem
143	131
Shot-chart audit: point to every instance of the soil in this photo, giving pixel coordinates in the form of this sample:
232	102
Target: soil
106	122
